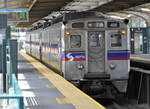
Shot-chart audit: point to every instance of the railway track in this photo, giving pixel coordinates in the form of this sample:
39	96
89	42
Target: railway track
121	103
138	68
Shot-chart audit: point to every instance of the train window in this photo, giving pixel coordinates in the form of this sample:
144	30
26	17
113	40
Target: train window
95	24
116	40
78	25
94	39
75	41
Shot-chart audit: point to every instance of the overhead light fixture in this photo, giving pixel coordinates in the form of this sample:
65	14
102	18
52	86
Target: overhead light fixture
116	17
129	15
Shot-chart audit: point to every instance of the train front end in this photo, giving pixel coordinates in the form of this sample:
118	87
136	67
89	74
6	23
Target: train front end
96	51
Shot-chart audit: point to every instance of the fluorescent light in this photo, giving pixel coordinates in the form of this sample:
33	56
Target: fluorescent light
116	17
145	9
130	15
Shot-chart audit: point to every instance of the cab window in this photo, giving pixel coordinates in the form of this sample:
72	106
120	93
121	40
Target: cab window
75	41
116	40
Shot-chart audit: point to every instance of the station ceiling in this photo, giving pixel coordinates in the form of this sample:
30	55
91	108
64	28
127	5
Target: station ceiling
117	5
39	9
42	8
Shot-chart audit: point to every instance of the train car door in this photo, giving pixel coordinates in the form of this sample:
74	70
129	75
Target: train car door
96	52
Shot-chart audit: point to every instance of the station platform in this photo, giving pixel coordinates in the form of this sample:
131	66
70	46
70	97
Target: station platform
140	61
140	78
142	57
42	88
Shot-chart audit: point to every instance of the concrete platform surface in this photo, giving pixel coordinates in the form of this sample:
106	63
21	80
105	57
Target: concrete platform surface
44	89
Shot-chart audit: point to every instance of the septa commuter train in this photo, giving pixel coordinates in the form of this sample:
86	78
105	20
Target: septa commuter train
84	47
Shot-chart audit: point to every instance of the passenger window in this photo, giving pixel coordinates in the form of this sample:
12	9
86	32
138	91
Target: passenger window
75	41
116	40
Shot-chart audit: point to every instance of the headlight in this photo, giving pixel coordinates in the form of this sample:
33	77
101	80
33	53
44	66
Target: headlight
112	66
80	66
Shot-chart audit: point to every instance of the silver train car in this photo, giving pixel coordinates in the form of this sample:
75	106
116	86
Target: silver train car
84	47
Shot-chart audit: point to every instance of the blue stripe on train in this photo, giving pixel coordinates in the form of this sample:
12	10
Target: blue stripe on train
66	55
123	54
81	56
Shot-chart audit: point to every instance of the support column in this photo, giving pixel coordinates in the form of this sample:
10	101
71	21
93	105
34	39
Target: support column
4	64
148	39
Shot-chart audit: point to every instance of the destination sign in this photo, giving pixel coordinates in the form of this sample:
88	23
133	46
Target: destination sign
16	15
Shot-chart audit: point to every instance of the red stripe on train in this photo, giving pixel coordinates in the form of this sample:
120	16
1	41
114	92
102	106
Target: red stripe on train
76	59
83	59
119	58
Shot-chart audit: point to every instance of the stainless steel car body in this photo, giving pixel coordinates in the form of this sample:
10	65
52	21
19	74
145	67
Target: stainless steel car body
76	49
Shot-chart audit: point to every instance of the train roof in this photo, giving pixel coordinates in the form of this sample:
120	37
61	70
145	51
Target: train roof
70	16
77	15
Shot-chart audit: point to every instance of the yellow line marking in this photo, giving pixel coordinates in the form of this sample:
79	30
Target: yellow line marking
36	71
63	101
42	77
49	86
78	98
139	58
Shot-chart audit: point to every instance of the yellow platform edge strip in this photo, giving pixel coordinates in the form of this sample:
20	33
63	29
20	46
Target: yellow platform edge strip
29	58
139	58
63	101
49	86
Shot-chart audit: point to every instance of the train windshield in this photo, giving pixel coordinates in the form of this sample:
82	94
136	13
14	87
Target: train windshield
116	40
75	41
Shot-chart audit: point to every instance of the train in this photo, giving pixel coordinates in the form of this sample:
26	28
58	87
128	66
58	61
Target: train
88	49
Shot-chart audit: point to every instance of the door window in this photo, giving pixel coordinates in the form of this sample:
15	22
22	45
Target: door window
94	39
